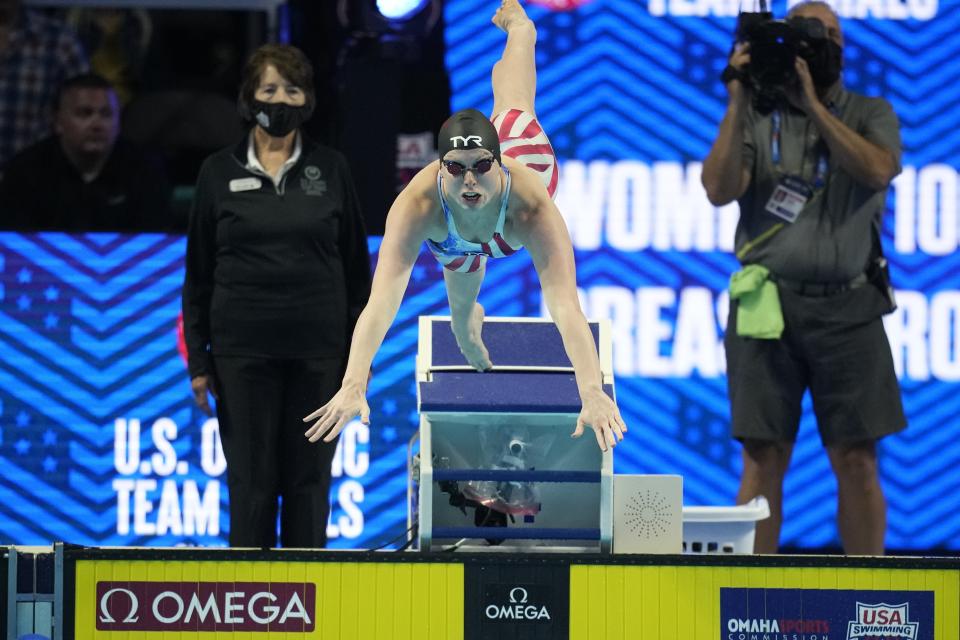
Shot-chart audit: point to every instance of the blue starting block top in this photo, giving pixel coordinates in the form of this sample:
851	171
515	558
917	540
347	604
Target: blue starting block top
510	344
503	392
531	374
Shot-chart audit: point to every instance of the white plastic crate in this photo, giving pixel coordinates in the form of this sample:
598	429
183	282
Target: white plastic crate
723	529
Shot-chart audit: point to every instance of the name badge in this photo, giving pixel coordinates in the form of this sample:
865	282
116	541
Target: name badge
789	198
245	184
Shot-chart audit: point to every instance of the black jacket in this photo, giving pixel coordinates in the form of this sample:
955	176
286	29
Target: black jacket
41	190
274	271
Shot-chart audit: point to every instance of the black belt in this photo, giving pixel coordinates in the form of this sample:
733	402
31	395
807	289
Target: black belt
819	289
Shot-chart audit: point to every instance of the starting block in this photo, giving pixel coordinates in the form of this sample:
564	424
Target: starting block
500	440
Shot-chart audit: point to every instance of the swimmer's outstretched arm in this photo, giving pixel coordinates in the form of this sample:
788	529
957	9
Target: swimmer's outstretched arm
406	229
545	236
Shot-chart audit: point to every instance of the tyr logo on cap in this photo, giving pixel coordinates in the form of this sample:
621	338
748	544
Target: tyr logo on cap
477	140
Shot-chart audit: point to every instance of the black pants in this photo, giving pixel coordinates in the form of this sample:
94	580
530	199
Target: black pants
261	405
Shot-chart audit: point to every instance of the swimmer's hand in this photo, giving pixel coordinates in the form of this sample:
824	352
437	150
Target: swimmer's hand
348	403
469	340
601	414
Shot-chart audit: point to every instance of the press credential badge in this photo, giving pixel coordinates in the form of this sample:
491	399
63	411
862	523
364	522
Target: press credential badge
789	198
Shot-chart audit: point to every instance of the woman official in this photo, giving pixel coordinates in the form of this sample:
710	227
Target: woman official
277	274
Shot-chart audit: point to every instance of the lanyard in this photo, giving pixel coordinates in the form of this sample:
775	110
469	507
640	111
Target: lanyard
820	176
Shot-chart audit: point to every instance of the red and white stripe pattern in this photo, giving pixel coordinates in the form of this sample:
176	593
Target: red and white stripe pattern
496	248
461	264
523	139
463	256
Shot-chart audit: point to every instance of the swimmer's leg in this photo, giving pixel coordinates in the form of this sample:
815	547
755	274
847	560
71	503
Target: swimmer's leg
466	315
515	74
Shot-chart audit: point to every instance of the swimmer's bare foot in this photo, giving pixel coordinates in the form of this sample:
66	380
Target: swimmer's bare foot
470	342
511	15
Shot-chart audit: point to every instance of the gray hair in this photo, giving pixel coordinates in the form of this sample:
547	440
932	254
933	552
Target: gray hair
813	3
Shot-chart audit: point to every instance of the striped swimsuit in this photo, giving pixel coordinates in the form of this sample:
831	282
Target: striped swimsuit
457	254
522	139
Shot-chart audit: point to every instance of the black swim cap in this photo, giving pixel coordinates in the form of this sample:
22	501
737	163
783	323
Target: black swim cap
468	129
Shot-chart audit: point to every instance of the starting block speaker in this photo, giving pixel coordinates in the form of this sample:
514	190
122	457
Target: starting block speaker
647	514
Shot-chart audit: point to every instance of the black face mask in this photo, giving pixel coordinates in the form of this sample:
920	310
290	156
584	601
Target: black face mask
825	70
279	118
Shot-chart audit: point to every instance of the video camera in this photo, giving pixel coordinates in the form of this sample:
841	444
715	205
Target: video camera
775	44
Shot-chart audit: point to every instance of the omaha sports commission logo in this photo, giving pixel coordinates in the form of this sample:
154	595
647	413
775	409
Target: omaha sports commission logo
882	621
825	614
777	629
206	606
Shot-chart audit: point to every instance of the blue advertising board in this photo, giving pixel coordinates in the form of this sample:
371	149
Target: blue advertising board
825	614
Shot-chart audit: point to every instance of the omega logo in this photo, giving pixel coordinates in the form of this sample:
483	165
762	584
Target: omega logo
517	609
134	605
513	593
262	607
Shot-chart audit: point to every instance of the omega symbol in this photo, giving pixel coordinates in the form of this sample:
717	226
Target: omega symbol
134	605
523	597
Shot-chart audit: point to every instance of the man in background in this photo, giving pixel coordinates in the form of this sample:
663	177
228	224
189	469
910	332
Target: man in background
85	178
37	54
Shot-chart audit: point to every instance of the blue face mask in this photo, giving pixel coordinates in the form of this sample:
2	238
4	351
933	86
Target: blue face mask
279	118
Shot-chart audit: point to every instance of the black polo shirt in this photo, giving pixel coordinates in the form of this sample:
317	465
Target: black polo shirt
43	191
274	270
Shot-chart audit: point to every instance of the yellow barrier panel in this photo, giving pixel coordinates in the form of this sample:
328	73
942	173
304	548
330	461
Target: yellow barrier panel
415	601
332	596
683	603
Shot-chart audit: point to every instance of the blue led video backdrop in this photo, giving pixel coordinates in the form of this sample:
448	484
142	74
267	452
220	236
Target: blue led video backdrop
629	93
100	442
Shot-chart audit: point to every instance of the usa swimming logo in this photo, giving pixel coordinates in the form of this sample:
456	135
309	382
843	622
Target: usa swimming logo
882	621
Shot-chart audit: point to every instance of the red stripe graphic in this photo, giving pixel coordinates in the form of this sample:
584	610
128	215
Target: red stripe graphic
504	247
453	265
506	124
533	130
554	179
539	167
526	149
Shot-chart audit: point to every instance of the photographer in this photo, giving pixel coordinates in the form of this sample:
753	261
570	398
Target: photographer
809	163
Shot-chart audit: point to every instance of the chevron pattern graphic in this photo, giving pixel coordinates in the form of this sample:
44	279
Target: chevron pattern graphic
87	334
100	442
619	80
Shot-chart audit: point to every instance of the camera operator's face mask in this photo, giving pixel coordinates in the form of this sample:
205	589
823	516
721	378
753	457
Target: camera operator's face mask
825	69
824	54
